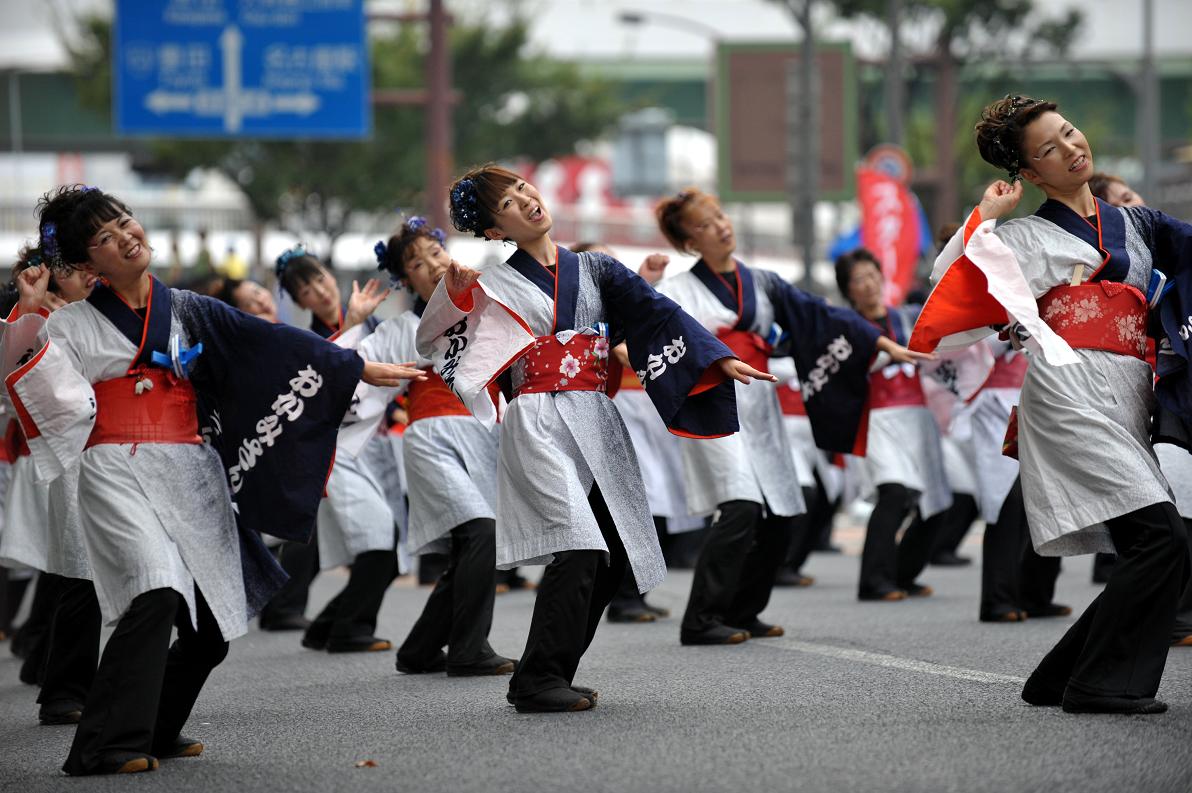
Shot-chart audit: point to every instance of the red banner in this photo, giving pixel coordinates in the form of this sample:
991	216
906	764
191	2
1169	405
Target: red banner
890	229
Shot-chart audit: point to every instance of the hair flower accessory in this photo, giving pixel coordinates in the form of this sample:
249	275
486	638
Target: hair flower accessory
418	222
380	250
465	206
287	256
49	245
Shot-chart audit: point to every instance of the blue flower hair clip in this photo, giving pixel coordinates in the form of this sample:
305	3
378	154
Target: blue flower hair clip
380	250
33	258
418	222
49	245
465	206
287	256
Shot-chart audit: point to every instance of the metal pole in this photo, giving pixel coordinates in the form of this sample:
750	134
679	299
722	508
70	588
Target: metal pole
438	117
803	144
894	76
1149	115
14	130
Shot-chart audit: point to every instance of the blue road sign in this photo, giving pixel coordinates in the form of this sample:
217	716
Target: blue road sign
241	68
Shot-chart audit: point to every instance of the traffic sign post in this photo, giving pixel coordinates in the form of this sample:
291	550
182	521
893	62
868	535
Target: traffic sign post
241	68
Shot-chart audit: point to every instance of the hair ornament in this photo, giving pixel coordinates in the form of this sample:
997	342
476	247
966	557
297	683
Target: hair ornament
287	256
380	250
465	206
418	222
49	245
34	257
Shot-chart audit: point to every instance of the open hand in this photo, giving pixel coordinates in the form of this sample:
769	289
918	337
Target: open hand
388	375
999	198
364	302
33	284
459	279
742	372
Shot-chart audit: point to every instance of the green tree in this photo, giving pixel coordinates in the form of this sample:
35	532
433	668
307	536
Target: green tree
515	103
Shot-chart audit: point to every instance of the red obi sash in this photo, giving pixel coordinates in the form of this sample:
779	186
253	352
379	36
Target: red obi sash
897	390
1007	373
1100	315
749	347
431	398
164	413
791	400
579	365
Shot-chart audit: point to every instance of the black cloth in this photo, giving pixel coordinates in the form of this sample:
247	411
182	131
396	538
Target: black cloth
145	688
916	546
1183	617
879	556
628	597
1118	647
803	538
459	611
72	646
734	574
34	633
353	612
959	520
300	561
1103	567
1013	576
574	591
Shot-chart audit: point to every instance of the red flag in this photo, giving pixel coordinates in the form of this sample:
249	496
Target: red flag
889	228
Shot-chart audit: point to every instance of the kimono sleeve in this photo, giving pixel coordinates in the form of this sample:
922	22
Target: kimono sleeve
1170	241
832	348
672	354
391	342
471	348
53	401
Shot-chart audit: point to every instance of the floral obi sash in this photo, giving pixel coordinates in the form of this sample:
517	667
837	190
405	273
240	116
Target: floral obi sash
567	361
151	406
1099	315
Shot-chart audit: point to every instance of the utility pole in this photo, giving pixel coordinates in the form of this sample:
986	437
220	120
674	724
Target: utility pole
894	76
1148	116
802	166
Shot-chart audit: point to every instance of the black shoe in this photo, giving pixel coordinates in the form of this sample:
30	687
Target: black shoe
553	700
637	614
181	747
918	591
1041	695
789	577
316	636
286	622
764	630
1050	610
717	634
359	644
1006	615
950	559
121	763
435	665
657	611
590	693
62	711
1080	703
494	665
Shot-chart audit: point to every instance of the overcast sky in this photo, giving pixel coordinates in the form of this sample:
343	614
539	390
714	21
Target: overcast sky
590	29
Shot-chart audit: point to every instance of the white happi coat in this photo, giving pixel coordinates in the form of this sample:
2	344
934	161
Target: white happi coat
754	464
450	461
42	519
554	446
1084	415
153	515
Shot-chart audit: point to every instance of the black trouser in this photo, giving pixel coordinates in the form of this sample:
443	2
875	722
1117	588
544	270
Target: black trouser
574	591
959	520
885	566
1183	617
627	596
679	550
300	560
31	640
1013	576
1103	566
459	611
145	688
353	612
819	516
1118	647
734	574
72	646
803	539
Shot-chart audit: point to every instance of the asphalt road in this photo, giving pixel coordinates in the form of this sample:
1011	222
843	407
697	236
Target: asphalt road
911	696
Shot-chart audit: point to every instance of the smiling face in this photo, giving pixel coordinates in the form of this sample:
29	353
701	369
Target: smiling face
252	298
1055	155
519	215
118	249
709	231
426	261
865	288
319	295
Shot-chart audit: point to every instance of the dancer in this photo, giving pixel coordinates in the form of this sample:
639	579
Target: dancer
749	480
356	526
569	490
1090	479
451	461
112	387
